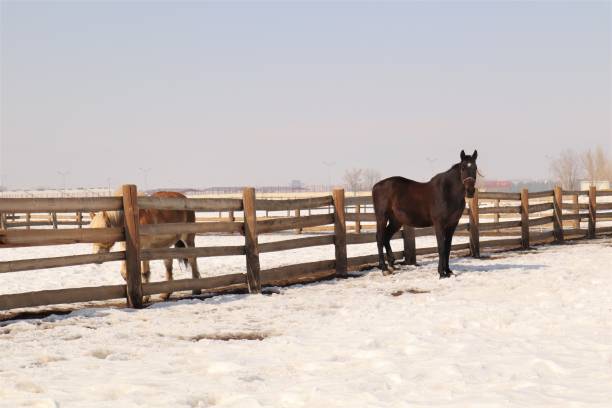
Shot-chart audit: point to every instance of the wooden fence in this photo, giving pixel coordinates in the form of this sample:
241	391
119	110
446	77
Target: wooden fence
530	218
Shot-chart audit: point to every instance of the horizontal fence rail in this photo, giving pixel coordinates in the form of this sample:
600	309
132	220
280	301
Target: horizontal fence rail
514	220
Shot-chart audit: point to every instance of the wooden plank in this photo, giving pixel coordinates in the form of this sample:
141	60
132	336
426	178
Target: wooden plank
427	231
515	209
363	217
212	284
592	212
287	223
604	230
340	232
293	204
541	221
574	217
188	227
17	238
474	227
296	243
488	226
575	192
359	200
190	204
573	233
513	242
600	193
180	253
84	204
409	245
132	246
540	236
534	208
558	214
367	237
604	206
295	273
58	296
525	218
251	230
488	195
603	215
60	261
542	194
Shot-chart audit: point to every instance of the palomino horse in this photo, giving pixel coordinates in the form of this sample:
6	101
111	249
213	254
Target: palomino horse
107	219
439	202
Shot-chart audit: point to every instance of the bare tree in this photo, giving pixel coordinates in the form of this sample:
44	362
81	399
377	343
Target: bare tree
565	169
370	177
353	178
602	164
596	165
589	168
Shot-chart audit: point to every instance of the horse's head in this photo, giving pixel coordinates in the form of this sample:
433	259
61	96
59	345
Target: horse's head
469	170
101	220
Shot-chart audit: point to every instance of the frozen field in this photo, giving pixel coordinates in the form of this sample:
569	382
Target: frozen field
518	330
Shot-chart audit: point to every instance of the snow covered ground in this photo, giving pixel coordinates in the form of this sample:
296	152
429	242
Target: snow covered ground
515	330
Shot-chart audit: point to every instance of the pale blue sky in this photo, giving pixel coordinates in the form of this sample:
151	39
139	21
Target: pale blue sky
261	93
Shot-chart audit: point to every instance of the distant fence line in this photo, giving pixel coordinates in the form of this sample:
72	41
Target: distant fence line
562	210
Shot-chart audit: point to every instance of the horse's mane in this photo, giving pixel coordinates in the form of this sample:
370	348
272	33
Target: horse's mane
116	217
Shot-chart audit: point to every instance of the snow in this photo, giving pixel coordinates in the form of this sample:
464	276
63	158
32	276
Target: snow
521	329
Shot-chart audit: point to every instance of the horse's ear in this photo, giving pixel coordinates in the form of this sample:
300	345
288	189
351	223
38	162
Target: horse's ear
475	154
462	155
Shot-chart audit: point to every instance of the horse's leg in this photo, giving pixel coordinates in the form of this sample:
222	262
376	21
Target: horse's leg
146	275
193	262
391	229
450	231
381	223
441	238
169	277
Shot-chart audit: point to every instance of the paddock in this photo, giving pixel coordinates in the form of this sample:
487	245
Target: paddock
535	218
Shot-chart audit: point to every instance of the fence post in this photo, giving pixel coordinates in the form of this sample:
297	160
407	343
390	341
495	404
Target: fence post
28	220
558	214
250	240
79	219
592	211
132	246
340	232
297	214
409	245
54	219
525	218
2	221
474	220
231	216
358	218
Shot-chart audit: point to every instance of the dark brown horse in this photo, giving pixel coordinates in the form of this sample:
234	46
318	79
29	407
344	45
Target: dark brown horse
439	202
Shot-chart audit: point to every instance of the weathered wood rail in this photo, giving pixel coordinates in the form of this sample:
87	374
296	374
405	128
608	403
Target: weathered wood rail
535	218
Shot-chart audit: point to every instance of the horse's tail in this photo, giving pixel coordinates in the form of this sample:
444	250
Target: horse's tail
181	244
